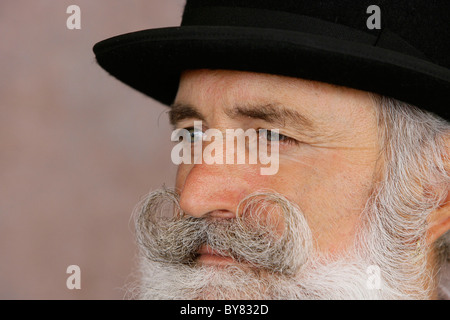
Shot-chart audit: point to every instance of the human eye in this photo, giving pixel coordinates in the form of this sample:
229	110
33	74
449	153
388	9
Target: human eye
195	134
275	136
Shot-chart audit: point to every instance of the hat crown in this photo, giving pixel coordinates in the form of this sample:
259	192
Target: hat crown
407	57
416	27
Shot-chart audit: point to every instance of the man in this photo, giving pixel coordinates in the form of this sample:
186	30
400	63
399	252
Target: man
355	110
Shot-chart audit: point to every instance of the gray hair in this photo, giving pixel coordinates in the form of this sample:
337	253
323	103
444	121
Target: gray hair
414	151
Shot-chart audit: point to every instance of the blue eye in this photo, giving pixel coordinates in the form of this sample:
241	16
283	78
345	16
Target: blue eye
271	135
195	135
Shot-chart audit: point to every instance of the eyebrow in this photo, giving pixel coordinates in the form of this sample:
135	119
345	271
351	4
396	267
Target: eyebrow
179	112
275	114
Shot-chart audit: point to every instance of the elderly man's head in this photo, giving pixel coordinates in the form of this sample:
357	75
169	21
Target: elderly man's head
357	209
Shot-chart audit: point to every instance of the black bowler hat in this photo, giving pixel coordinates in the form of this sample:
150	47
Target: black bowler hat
331	41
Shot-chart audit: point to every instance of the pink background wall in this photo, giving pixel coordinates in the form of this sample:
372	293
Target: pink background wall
78	149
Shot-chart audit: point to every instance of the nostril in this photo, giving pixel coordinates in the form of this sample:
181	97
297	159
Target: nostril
222	214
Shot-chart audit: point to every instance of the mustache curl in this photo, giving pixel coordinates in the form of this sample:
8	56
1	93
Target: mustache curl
167	235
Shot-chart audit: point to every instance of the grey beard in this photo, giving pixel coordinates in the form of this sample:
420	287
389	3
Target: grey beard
251	237
283	266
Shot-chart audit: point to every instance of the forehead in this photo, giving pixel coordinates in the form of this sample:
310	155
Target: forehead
333	109
230	85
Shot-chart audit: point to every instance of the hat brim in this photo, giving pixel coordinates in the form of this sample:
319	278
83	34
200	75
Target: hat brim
151	62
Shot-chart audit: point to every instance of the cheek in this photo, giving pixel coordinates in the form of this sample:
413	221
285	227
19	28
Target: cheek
332	193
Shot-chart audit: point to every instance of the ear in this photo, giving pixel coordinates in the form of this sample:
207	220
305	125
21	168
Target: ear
439	220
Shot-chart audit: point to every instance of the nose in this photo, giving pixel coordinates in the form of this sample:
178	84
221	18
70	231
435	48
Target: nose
214	189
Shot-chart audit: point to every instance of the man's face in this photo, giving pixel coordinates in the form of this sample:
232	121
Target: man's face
328	150
320	227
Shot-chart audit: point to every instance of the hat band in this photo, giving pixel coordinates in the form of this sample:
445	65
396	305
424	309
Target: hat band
263	18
